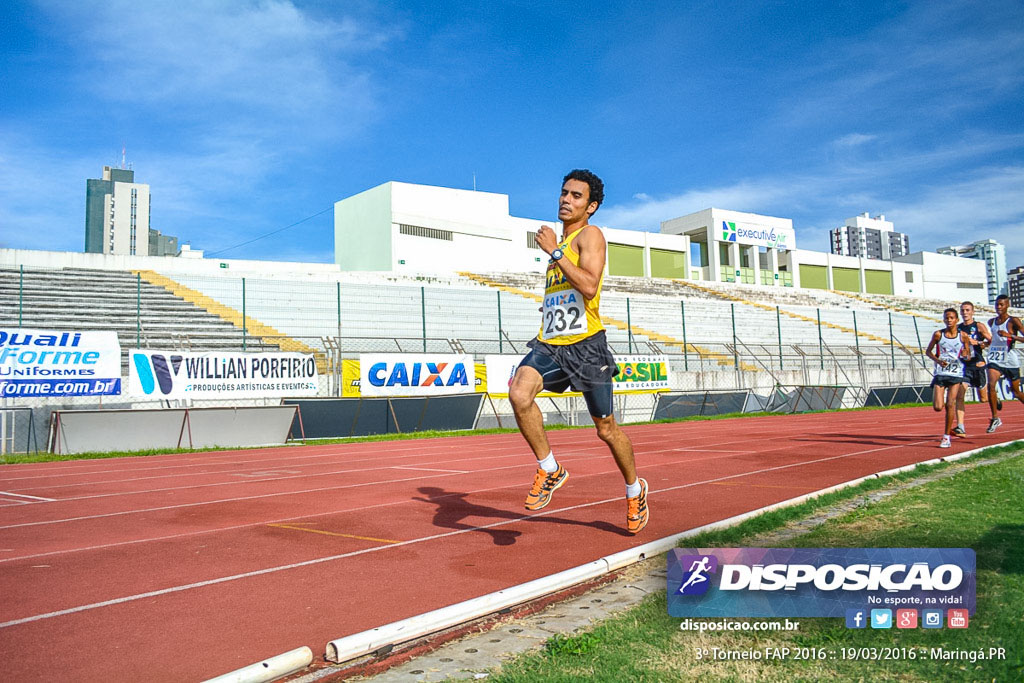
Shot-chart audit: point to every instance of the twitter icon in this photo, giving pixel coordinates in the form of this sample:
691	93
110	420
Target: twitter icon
881	618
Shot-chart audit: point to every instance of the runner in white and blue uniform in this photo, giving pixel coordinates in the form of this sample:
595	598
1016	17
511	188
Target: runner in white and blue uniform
948	348
1003	360
975	374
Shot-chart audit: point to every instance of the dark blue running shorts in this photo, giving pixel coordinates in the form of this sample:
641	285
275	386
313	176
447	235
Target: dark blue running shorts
599	399
1011	374
975	376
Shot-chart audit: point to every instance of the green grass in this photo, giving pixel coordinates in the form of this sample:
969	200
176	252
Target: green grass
978	508
428	434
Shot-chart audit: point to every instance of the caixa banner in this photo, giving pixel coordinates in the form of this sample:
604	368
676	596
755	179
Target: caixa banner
817	582
59	363
416	374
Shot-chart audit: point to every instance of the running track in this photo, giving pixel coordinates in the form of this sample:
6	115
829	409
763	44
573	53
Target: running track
184	567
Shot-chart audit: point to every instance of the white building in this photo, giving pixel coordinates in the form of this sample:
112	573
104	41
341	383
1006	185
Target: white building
406	228
409	229
993	254
874	238
730	246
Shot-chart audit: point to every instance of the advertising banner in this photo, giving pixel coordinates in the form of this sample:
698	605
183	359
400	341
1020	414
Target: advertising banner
819	582
773	237
637	375
59	363
183	374
641	374
416	374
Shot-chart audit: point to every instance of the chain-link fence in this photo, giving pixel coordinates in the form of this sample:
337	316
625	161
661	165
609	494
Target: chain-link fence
711	344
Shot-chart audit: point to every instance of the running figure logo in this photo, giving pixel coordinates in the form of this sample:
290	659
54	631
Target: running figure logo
695	580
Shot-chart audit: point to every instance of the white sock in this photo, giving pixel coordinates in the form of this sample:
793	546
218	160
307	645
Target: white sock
548	464
633	490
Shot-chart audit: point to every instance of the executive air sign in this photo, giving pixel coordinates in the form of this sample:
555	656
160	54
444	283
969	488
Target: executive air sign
59	363
769	236
817	582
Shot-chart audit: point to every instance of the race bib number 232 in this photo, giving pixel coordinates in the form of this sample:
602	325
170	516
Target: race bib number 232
564	314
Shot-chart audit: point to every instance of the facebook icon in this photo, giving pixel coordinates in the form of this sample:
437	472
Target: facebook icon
856	618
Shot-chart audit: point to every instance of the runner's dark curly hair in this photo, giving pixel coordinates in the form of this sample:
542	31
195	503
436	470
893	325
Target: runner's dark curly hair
592	181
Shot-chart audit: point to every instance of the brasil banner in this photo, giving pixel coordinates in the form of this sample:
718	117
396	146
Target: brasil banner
637	375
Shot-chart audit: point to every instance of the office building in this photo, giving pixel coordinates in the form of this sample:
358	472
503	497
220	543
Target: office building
117	211
868	237
1015	286
993	254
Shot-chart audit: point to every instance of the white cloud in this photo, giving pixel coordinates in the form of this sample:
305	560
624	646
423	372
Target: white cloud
989	205
261	70
754	196
853	140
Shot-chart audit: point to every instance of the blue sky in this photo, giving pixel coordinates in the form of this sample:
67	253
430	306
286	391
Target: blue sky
246	117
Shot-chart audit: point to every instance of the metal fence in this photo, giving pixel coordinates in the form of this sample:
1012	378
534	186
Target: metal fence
711	344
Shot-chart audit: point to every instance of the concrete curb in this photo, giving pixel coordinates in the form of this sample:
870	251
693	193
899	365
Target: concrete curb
271	669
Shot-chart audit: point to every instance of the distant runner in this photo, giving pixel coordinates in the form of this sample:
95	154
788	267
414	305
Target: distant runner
948	348
1002	357
975	374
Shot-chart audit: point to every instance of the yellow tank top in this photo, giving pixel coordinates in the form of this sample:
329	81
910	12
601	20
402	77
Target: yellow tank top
567	316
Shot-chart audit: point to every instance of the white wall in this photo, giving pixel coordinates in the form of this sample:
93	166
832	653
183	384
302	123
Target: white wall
31	258
943	277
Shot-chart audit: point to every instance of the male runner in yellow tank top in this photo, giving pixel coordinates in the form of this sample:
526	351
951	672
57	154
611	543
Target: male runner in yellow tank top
571	348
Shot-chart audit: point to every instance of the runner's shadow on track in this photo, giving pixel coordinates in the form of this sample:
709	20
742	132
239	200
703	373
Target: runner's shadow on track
452	508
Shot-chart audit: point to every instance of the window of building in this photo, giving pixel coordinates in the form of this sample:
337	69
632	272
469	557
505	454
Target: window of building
432	233
531	241
910	276
969	285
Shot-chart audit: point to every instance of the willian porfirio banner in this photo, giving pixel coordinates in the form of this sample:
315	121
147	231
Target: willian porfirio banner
818	582
59	363
183	375
638	374
416	374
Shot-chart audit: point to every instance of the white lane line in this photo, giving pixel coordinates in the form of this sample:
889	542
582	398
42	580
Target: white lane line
356	452
22	495
517	452
320	560
420	448
575	459
427	469
599	447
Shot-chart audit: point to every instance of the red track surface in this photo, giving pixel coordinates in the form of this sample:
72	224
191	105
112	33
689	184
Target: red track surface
184	567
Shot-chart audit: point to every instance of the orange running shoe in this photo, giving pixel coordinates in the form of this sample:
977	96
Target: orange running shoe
544	485
636	510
